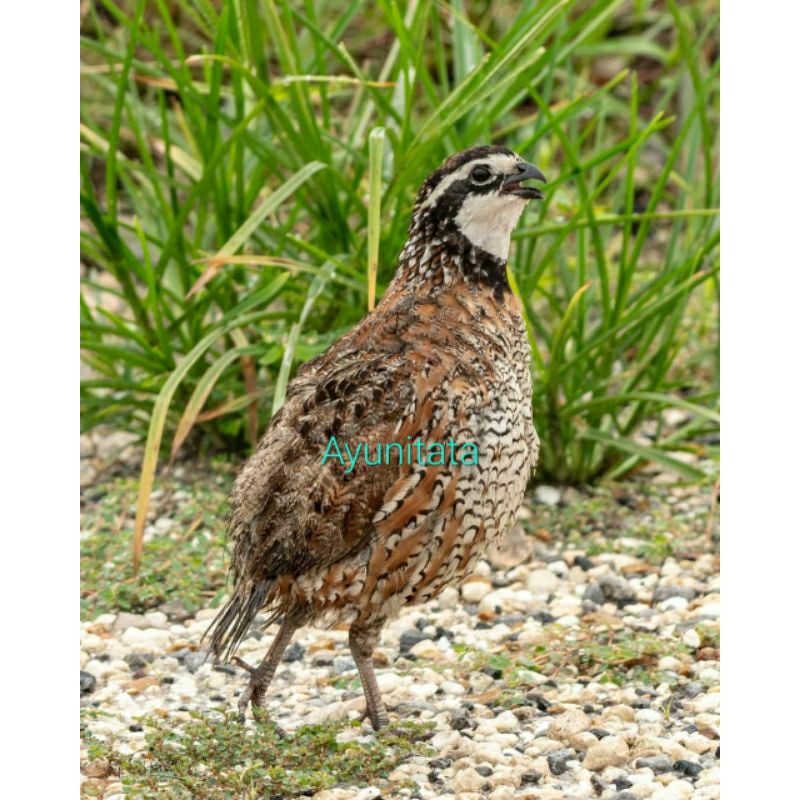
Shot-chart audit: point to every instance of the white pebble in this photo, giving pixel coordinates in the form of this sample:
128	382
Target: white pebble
149	640
475	591
542	582
691	638
674	604
548	495
506	721
610	751
488	751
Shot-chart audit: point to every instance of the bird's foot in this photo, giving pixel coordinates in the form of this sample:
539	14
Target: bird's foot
378	718
410	732
253	695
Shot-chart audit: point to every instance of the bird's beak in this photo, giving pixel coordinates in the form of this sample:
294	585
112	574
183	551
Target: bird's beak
512	184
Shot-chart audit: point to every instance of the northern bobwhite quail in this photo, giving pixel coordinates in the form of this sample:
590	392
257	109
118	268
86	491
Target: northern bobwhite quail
443	358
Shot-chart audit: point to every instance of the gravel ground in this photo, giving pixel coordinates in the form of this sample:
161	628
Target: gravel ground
576	663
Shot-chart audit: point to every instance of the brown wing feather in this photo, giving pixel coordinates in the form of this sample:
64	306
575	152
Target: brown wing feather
290	512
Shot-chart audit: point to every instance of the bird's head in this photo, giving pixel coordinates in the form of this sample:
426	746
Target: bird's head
478	194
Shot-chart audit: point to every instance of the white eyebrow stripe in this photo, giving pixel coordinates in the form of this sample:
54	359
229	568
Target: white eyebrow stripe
497	162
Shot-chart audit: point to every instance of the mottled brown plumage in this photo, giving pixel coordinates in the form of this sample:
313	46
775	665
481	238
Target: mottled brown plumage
444	356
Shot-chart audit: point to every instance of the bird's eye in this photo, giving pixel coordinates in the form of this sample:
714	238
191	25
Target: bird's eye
480	175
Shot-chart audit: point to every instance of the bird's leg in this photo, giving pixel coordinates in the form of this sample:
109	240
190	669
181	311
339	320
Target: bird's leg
362	642
261	676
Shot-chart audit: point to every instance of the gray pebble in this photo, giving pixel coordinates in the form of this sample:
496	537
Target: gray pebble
557	760
656	763
139	660
294	652
616	590
594	594
88	682
342	664
323	658
665	592
409	638
194	659
689	768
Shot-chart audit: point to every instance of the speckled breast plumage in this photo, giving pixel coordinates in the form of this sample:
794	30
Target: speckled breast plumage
438	521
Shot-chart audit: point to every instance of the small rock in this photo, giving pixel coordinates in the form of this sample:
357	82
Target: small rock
409	638
611	751
426	649
584	563
542	582
88	683
688	768
665	591
677	790
616	590
557	760
594	593
175	610
480	682
147	640
342	664
530	778
674	604
669	664
99	768
294	652
691	638
506	722
389	681
474	591
648	715
547	495
156	619
566	725
422	690
658	763
194	659
488	751
619	711
323	658
138	660
468	780
126	620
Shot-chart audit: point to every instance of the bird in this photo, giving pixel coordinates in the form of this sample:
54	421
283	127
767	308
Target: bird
443	357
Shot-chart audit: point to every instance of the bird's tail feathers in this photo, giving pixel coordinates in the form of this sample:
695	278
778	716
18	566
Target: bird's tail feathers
230	626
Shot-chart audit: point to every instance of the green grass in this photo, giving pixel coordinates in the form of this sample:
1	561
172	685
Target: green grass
215	757
225	187
186	565
589	652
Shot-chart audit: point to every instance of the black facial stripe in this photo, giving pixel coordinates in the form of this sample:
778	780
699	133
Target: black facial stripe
454	163
446	208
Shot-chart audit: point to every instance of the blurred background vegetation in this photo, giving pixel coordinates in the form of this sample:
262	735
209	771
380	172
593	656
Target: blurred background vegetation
224	186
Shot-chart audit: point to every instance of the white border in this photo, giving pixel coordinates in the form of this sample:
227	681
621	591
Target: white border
761	387
40	575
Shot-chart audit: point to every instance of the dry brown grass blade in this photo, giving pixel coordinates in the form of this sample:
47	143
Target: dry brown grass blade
216	263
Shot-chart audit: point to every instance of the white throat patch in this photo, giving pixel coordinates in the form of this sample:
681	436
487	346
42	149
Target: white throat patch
488	220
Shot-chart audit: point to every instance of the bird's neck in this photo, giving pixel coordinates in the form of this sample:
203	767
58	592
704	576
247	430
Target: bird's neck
438	254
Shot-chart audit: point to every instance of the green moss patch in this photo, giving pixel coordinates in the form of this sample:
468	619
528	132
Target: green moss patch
214	757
